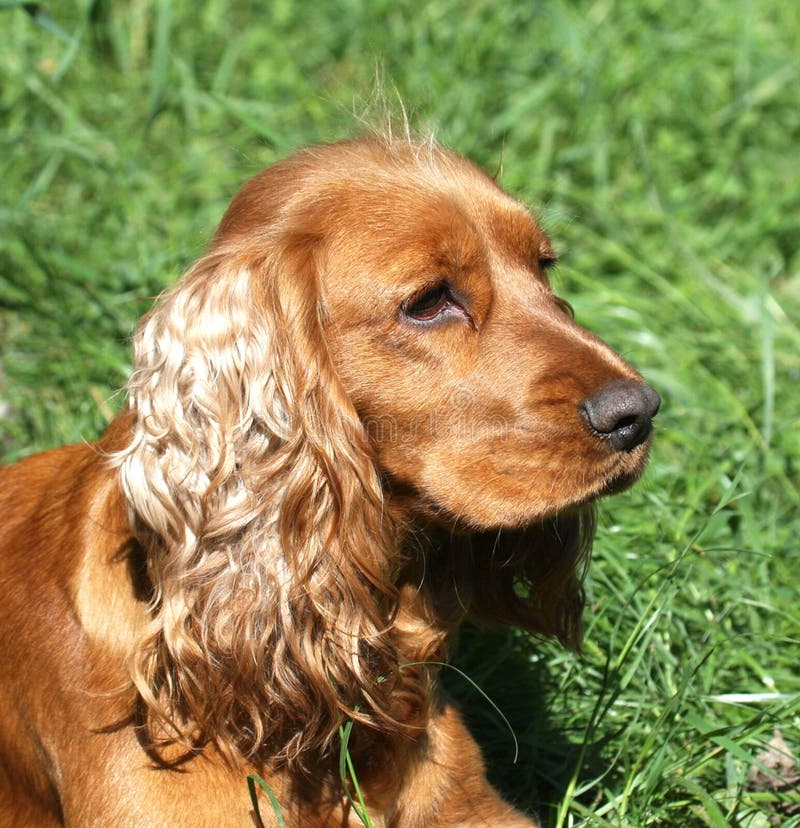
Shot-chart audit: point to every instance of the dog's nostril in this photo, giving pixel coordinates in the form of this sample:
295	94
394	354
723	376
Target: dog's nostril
622	413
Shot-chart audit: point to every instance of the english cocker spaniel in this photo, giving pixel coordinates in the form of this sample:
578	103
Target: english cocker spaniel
360	417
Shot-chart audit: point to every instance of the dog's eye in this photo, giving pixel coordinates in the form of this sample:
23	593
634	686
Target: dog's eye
428	305
547	260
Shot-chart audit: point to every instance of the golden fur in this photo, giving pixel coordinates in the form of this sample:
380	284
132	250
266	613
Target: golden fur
360	417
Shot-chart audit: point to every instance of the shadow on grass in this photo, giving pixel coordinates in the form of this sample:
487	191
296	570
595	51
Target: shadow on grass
504	665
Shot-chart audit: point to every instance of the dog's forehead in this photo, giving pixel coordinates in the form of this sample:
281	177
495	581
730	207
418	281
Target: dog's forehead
390	195
504	226
427	209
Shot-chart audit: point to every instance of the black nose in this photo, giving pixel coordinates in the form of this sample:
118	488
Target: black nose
622	413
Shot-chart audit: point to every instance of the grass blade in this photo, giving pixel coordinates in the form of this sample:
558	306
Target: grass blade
254	779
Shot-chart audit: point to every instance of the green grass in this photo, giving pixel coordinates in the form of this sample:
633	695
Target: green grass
660	142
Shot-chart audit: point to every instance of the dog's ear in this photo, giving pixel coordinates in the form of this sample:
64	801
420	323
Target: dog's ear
251	485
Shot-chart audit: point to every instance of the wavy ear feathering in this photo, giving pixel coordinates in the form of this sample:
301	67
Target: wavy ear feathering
251	485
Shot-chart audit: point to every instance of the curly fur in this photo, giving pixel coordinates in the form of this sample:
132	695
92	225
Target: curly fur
271	558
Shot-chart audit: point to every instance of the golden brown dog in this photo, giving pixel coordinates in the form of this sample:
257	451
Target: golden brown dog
360	417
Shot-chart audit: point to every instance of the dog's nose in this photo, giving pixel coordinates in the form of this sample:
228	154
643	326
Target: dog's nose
622	413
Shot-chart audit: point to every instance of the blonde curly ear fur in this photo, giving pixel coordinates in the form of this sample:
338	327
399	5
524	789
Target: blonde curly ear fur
251	486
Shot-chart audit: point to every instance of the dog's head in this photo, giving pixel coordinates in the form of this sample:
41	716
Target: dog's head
486	404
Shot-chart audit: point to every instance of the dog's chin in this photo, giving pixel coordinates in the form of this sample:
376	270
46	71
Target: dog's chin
427	512
617	484
629	469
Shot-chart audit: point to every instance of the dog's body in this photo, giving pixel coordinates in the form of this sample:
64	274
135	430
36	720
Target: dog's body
69	749
361	416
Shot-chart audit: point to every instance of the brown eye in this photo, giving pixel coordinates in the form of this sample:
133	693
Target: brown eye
428	305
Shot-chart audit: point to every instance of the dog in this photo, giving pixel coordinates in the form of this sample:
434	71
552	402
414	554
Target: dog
362	416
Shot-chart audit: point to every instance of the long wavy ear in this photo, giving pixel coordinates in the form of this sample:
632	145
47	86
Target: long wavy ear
251	485
530	578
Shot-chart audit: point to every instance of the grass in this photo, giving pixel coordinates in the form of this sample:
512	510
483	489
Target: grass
659	142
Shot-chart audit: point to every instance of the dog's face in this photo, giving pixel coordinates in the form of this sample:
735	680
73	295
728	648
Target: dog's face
487	405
